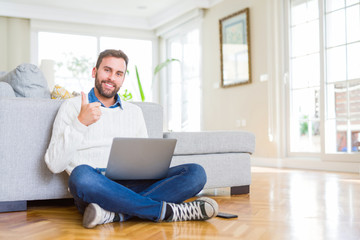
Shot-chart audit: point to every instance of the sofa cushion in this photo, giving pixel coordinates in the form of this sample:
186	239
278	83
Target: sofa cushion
6	90
153	115
212	142
60	92
27	81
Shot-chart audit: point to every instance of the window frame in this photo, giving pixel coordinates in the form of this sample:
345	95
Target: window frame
353	157
37	26
176	31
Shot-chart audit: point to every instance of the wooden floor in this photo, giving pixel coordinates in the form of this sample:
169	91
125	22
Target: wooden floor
283	204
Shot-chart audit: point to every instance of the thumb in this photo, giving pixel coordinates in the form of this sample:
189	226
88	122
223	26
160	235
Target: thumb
83	99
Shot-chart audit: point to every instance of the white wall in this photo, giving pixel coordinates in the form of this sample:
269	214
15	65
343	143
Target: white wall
14	42
223	108
261	104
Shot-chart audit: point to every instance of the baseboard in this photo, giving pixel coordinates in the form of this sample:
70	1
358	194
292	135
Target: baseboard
310	164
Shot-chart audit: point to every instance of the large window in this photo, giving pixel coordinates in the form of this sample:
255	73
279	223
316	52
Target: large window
184	82
324	89
74	56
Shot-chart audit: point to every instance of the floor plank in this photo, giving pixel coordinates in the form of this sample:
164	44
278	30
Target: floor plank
282	204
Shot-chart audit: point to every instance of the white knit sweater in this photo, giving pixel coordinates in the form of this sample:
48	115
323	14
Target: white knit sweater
73	143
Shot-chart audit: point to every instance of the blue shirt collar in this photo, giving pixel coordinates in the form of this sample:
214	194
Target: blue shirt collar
93	98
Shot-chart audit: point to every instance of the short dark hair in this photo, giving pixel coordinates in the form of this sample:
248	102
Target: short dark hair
112	53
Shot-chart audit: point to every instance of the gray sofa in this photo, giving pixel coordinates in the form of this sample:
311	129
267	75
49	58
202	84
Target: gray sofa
25	132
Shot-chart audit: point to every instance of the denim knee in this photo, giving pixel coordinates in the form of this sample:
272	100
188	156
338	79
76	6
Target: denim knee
79	177
199	175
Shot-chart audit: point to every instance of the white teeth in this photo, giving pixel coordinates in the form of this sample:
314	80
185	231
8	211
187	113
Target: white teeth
108	84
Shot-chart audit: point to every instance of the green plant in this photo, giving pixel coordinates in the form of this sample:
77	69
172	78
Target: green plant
126	96
164	64
156	71
304	128
139	84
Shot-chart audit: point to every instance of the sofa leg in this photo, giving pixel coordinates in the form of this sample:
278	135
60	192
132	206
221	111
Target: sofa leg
240	190
13	206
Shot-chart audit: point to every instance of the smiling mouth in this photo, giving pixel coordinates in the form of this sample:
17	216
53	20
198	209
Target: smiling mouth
108	85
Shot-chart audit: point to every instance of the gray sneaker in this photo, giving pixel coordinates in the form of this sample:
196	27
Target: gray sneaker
95	215
201	209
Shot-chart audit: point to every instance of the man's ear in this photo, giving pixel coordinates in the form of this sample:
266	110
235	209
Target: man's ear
94	72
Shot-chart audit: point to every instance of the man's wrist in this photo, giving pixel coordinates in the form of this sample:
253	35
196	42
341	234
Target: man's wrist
81	121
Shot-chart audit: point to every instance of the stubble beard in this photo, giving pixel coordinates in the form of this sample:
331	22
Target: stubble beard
102	91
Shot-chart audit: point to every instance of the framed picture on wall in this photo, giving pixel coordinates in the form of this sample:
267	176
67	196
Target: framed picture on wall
235	49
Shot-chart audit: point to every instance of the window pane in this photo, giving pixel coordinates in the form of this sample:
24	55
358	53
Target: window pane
313	10
298	11
332	5
74	57
335	28
175	86
140	55
306	71
336	136
191	114
353	23
184	83
191	82
305	104
175	107
192	54
336	64
305	38
351	2
354	99
302	11
353	60
341	133
305	125
355	135
307	137
337	101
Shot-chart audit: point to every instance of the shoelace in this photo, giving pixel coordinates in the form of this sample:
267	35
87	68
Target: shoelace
107	216
187	211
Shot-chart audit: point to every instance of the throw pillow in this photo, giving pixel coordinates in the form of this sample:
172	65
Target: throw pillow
27	81
60	93
6	90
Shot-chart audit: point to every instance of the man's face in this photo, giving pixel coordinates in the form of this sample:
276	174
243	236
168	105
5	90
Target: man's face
110	76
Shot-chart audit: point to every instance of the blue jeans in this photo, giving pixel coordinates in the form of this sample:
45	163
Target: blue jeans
145	199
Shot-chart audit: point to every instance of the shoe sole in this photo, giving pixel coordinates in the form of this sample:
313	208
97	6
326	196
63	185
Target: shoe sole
91	216
213	203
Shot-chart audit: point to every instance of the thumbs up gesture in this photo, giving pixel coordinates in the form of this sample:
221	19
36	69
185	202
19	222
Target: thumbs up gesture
89	112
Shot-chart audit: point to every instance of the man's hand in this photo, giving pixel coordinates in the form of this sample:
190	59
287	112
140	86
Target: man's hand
90	112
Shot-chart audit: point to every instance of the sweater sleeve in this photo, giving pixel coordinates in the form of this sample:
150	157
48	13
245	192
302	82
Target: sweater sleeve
67	136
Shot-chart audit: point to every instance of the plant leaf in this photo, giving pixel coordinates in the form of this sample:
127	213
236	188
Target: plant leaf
126	96
164	64
139	83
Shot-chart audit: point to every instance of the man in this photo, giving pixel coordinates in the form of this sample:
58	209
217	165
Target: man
80	145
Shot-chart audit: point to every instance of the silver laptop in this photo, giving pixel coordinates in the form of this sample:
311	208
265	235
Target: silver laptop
140	158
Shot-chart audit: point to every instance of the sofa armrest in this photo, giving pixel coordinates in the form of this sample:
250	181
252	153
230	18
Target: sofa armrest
212	142
25	131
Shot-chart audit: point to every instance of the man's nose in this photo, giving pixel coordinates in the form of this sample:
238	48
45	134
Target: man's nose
112	77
